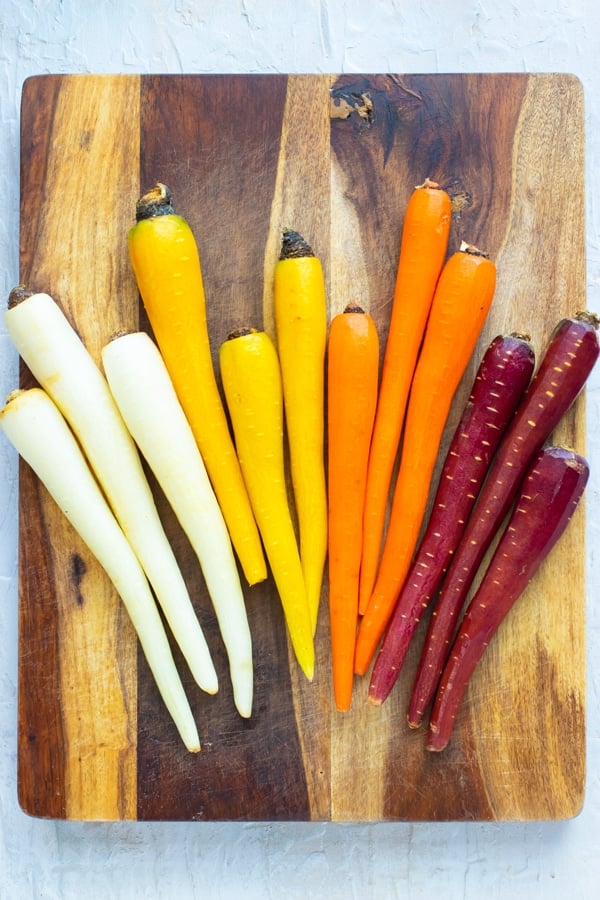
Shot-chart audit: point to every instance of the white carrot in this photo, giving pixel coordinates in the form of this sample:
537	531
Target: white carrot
62	365
37	430
144	392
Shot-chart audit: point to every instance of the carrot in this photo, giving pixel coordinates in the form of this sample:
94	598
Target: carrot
144	393
40	434
252	383
567	361
301	325
63	366
422	252
164	257
504	373
549	496
353	371
461	302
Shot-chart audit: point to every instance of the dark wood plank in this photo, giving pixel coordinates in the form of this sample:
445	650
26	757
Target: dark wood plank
215	141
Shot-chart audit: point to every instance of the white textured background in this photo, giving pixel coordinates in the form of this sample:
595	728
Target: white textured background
41	859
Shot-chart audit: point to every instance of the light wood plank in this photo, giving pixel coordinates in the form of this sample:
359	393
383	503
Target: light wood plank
80	259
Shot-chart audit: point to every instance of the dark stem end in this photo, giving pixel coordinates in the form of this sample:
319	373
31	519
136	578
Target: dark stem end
585	315
18	294
155	202
241	332
472	250
293	245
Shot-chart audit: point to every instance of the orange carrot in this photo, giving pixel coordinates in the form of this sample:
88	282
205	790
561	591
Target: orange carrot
353	368
165	260
459	309
422	252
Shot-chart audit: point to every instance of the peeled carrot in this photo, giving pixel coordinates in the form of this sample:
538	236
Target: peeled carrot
353	369
40	433
166	264
139	382
462	299
252	383
548	498
61	363
422	252
502	377
300	309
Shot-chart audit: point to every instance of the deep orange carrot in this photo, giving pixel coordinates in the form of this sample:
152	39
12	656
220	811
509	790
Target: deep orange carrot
422	252
353	364
459	309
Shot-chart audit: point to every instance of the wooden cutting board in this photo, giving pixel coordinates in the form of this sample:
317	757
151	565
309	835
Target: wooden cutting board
335	157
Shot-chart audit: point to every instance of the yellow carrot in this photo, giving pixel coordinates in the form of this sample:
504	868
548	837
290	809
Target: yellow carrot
252	383
301	323
165	260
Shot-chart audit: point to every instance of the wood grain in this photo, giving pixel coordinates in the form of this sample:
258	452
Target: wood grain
77	216
335	157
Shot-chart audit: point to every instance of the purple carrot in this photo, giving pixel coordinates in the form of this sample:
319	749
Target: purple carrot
549	496
503	375
568	360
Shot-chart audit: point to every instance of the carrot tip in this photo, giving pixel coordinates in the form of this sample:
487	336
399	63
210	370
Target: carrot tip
375	701
437	739
309	672
256	578
435	742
